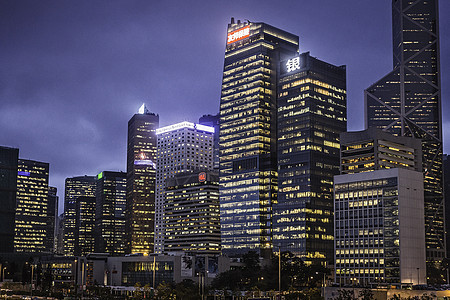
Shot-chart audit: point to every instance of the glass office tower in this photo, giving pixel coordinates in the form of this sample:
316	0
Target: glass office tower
31	210
52	214
407	102
110	205
312	106
75	187
247	139
141	180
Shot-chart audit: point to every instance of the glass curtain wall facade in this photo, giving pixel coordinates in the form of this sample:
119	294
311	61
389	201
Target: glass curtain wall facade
141	181
9	158
312	106
110	213
247	138
32	205
85	224
52	214
75	187
407	102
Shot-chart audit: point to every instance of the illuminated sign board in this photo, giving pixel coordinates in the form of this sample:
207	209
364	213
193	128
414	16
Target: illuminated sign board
185	125
239	34
100	176
293	64
23	173
202	177
145	162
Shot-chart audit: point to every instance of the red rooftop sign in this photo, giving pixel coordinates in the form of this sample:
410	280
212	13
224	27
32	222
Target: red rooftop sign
239	34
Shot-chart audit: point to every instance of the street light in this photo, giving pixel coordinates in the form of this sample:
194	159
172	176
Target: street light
32	269
279	270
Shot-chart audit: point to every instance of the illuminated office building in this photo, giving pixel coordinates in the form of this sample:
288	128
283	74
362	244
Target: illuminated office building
75	187
192	214
407	102
110	206
379	228
85	224
311	115
247	142
52	214
182	147
446	164
374	149
9	158
32	205
141	180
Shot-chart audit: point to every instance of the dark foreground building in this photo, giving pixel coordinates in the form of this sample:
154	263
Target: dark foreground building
141	180
8	187
407	102
312	105
248	166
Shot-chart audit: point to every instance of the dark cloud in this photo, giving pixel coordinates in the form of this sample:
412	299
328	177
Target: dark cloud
73	72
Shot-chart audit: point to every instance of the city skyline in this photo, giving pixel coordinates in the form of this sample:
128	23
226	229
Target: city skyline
82	70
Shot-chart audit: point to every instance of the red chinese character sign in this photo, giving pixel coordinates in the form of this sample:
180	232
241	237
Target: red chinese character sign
202	177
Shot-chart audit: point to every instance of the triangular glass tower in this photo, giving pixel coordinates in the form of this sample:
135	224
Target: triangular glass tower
407	102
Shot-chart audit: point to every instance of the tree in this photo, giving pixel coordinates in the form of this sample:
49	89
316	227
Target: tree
164	291
395	297
228	280
345	295
187	290
366	294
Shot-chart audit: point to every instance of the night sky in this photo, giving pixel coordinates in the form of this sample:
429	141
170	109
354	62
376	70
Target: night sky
72	73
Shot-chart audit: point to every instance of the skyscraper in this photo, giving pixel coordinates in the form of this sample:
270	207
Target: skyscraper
32	205
446	165
407	102
141	180
80	186
9	158
248	166
52	214
85	225
312	104
182	147
110	206
192	214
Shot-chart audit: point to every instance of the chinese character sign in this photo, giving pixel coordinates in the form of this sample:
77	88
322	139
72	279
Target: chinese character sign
293	64
238	35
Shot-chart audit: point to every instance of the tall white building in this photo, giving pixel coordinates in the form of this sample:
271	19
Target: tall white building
182	147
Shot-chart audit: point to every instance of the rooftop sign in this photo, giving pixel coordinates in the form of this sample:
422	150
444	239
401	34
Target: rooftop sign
239	34
185	125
